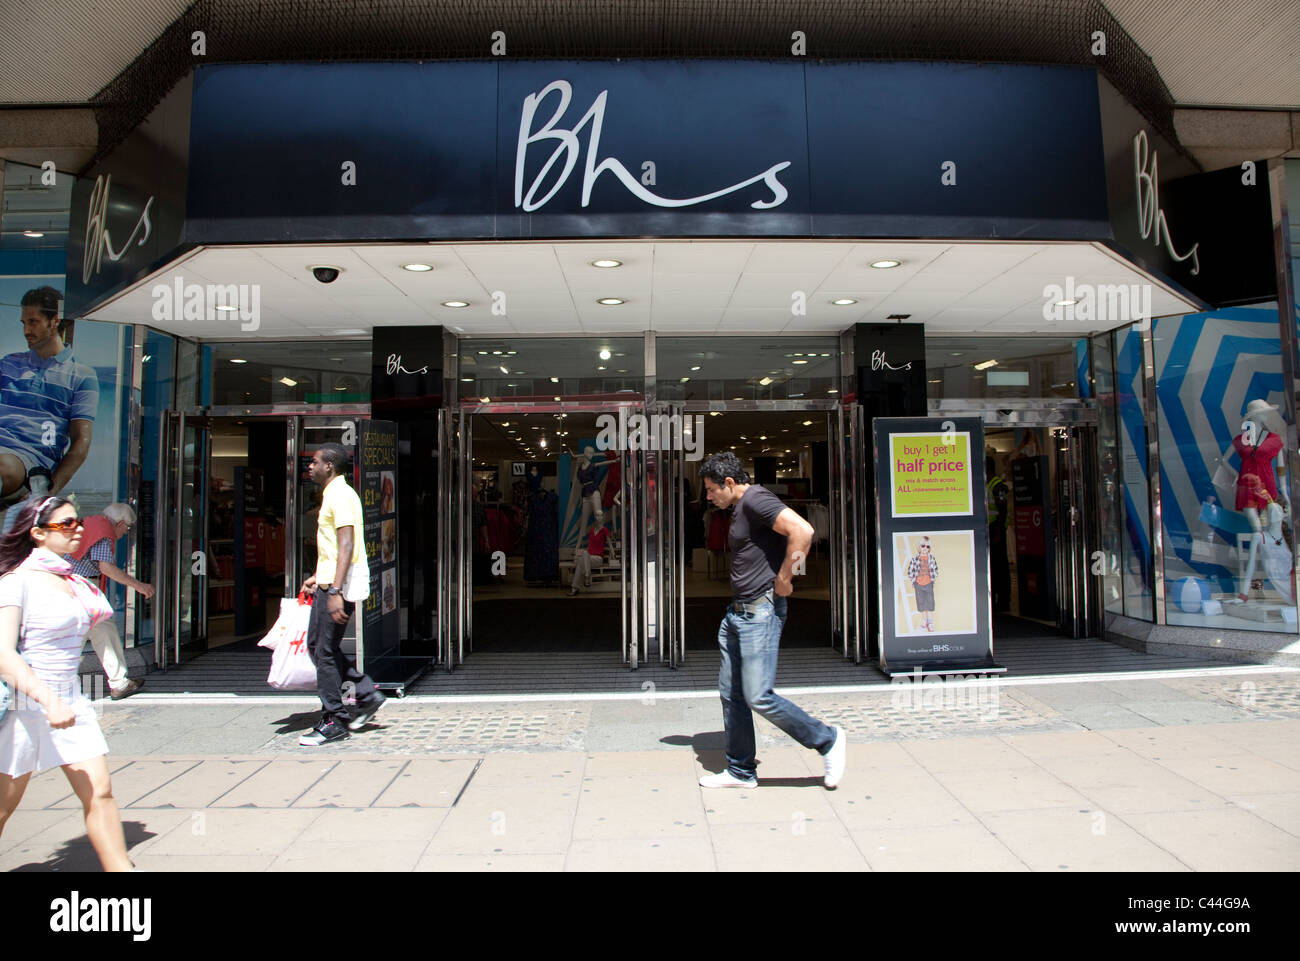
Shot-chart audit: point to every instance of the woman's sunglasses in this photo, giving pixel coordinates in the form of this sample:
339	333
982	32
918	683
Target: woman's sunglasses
71	524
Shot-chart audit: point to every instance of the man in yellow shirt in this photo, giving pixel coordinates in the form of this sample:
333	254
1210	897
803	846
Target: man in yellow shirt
340	546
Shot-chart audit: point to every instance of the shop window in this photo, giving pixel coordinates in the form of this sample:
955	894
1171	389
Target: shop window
1225	506
1001	367
318	373
747	368
543	368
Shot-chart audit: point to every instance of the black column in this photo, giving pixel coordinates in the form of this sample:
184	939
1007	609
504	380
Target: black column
408	390
890	361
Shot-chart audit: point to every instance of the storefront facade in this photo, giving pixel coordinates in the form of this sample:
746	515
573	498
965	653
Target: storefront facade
1130	304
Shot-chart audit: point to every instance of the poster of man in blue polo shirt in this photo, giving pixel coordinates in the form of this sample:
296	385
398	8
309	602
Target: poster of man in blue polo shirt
47	404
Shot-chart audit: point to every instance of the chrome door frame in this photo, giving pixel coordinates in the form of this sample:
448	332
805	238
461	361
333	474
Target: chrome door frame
1077	420
176	422
842	584
455	469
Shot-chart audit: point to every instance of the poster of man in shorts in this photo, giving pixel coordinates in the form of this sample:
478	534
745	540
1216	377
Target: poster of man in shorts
47	404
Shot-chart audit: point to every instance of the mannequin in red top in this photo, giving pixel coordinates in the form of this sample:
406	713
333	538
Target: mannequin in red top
1260	445
584	559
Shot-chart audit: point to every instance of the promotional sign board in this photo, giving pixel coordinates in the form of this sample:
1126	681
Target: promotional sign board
932	537
380	620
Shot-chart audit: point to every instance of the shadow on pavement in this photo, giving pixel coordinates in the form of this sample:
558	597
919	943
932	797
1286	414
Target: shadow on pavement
710	751
297	722
77	855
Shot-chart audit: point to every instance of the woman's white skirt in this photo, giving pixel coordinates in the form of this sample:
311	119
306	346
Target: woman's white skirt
28	743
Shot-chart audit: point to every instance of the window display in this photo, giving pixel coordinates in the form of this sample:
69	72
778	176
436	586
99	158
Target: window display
1227	513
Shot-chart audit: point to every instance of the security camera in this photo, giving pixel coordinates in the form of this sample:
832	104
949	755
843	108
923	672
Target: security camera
326	274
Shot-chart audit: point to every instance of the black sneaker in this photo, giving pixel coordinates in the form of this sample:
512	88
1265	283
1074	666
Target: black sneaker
325	732
366	714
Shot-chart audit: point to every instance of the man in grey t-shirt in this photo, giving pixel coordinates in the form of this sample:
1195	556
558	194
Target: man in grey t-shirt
767	539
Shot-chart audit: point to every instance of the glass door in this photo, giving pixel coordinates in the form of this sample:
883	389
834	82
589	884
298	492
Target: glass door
183	602
1076	535
546	526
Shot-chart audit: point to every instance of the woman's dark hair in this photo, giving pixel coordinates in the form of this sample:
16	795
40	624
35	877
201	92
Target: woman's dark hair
17	543
718	467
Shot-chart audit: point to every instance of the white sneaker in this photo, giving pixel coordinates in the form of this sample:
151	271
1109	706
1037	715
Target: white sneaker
726	779
835	759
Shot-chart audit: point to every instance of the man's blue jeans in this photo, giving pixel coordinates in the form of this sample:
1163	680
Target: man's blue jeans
749	643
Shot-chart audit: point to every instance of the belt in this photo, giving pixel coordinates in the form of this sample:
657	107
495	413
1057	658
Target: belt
753	605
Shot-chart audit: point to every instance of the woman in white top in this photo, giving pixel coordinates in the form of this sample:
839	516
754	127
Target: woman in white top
45	613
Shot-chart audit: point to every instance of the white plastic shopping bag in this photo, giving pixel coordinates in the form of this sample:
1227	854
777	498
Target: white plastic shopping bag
292	668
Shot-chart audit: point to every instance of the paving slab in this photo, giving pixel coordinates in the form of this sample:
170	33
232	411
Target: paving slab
1010	789
277	785
1131	784
133	781
1282	810
966	754
350	856
237	832
948	847
1078	840
1237	773
800	844
661	854
351	784
1221	839
493	862
412	826
201	785
639	807
428	783
911	799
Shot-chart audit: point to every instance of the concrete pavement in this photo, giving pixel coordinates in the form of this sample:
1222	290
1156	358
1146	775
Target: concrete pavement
1182	771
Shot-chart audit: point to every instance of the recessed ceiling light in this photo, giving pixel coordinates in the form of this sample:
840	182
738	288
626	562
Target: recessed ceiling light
455	303
486	400
833	390
467	380
685	379
555	380
986	365
695	367
765	381
798	361
503	370
600	367
33	233
611	301
557	398
607	263
807	423
885	264
604	353
417	268
843	301
238	360
288	382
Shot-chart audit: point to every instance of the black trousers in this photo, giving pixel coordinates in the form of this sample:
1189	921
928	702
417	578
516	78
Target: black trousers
333	667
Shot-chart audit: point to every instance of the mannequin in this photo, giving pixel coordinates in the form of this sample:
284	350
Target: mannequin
585	560
586	465
1260	447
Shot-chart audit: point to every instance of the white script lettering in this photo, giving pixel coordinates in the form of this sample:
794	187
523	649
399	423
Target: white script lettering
98	241
569	149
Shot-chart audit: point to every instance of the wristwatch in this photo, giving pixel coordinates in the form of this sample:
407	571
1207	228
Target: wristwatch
332	590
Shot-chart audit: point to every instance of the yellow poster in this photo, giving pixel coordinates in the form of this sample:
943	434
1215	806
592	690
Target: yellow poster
930	474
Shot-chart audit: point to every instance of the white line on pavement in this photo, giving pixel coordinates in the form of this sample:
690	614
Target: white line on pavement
655	693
